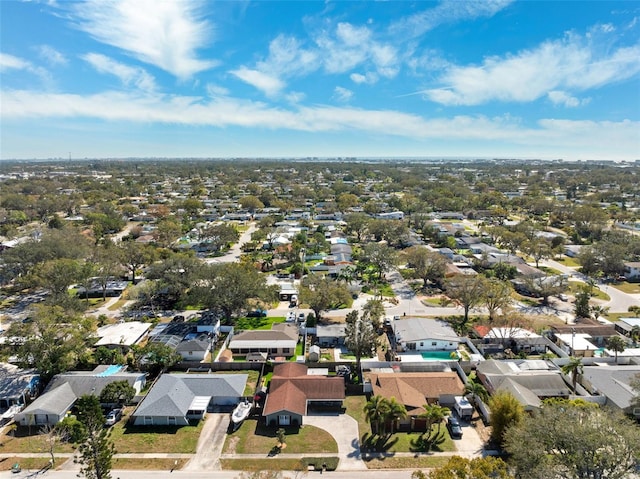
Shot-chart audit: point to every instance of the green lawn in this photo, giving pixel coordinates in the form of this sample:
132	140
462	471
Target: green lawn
136	439
255	438
243	324
28	440
629	288
570	262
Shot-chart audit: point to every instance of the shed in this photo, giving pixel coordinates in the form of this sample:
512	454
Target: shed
314	353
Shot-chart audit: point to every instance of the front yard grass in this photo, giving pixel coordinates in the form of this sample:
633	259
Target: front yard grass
255	438
28	440
629	288
155	464
421	462
137	439
243	324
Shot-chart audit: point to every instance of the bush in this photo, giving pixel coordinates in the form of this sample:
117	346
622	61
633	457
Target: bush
331	463
72	429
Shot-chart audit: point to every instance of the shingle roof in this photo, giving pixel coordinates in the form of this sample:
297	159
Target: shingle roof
415	389
291	388
416	329
172	394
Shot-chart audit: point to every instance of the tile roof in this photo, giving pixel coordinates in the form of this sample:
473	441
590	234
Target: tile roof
291	388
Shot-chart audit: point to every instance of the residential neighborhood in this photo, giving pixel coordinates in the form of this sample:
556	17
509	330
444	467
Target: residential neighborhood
314	315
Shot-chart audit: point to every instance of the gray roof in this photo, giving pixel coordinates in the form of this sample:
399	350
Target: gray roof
64	389
331	330
613	382
417	329
193	345
14	381
172	394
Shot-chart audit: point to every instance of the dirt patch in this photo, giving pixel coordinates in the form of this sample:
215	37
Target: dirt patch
231	445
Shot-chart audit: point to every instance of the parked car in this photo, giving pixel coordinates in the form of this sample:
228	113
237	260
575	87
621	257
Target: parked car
113	417
301	317
258	313
454	428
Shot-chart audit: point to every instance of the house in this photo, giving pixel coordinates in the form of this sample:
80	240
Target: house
516	339
176	399
97	290
627	326
64	389
122	335
420	334
590	330
415	389
632	270
529	381
614	382
330	335
195	349
281	340
294	392
17	387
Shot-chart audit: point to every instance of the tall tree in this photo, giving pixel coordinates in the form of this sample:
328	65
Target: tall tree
474	389
96	448
133	256
376	410
322	293
117	392
573	368
573	442
497	296
466	291
360	337
506	412
52	342
427	265
433	414
616	344
381	256
396	412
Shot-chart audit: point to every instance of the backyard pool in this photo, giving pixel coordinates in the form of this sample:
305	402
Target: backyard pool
439	355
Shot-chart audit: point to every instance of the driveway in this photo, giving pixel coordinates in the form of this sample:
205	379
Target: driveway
207	457
344	430
470	445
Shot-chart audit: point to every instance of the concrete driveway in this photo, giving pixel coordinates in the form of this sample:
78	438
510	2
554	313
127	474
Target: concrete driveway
344	430
210	442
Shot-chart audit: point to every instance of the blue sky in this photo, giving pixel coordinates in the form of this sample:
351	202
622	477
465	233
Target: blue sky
160	78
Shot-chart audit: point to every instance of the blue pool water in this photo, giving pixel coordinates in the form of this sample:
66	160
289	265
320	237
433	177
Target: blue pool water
113	369
437	356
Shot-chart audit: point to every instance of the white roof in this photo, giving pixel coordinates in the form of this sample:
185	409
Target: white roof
578	342
126	334
508	333
199	403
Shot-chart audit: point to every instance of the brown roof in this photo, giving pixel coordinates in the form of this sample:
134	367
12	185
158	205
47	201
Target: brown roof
415	389
291	388
279	331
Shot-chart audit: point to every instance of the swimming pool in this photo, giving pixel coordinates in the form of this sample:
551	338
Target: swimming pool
438	356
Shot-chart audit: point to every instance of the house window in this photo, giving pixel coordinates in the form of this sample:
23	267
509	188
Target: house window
285	351
171	420
434	343
421	344
148	420
284	419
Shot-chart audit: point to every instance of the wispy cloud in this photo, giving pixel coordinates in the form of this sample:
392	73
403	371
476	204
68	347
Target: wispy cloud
448	11
51	55
368	78
573	63
601	139
129	76
165	33
270	85
342	94
562	98
10	62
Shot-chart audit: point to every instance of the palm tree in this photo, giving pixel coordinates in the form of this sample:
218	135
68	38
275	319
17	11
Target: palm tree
376	410
574	367
617	345
396	412
598	311
434	414
474	390
635	334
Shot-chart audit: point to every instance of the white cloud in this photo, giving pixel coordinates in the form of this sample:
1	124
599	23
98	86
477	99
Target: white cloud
270	85
571	63
562	98
129	76
448	11
368	78
165	33
555	136
51	55
216	90
10	62
342	94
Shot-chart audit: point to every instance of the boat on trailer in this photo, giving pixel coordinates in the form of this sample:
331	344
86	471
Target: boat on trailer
241	412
